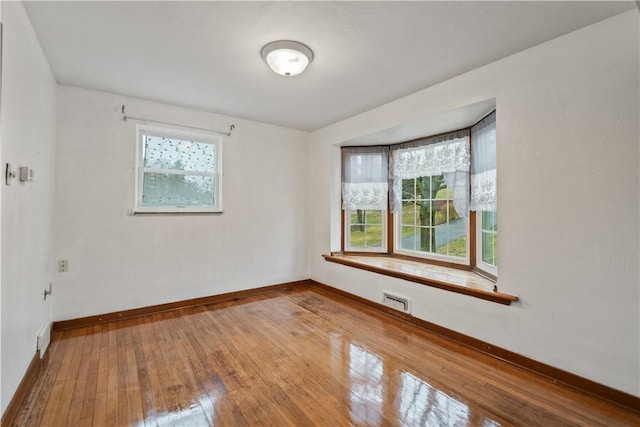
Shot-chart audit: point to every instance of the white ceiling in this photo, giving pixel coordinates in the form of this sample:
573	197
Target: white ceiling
206	55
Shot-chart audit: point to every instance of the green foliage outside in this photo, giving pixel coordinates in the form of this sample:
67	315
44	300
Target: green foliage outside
456	247
373	237
489	248
490	237
444	215
428	204
366	228
426	188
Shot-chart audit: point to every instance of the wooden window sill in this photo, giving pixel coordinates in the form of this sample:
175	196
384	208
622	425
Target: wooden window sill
450	279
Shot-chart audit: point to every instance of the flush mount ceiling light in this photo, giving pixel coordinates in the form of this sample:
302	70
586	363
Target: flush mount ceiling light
286	57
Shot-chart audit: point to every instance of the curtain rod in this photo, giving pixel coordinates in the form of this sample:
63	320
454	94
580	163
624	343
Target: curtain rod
141	119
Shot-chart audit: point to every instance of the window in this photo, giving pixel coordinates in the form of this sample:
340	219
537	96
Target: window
430	186
428	222
366	229
178	171
364	197
488	239
430	179
484	192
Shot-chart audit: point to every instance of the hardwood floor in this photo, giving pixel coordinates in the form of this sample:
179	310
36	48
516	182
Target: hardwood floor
291	357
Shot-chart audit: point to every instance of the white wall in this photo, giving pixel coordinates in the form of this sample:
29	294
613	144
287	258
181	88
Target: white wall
569	201
27	135
568	163
117	261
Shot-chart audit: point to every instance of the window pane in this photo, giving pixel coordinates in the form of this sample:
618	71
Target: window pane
489	220
410	238
179	154
408	213
408	189
454	247
424	212
427	237
366	228
373	217
451	230
424	187
373	236
439	229
489	244
356	236
161	189
490	237
445	211
356	217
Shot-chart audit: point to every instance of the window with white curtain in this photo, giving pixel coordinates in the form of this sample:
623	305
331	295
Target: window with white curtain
484	195
365	192
430	185
430	196
178	171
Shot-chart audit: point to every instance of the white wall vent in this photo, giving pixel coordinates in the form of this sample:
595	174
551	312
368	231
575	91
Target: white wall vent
44	338
396	302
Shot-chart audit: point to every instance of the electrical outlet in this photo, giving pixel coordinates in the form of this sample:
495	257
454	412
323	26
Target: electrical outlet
63	266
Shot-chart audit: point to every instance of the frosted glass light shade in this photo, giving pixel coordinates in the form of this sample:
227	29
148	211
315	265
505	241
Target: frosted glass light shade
287	58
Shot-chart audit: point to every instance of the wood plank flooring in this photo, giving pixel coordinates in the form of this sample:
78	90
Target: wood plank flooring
298	357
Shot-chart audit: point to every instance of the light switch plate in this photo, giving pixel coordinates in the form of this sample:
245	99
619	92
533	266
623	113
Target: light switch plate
9	174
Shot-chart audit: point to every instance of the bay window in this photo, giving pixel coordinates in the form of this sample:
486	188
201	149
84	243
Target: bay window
432	199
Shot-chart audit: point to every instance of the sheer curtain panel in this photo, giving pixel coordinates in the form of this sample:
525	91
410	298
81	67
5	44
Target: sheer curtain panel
484	195
447	155
365	172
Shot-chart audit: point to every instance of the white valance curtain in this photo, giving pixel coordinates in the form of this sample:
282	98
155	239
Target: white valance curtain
365	172
484	195
445	154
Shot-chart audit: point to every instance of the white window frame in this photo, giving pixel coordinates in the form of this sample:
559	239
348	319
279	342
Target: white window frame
372	249
488	268
177	133
397	245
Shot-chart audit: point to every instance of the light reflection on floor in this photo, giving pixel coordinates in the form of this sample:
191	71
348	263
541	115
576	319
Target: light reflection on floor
365	372
374	387
421	404
276	362
199	413
417	402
